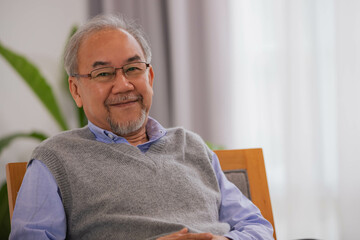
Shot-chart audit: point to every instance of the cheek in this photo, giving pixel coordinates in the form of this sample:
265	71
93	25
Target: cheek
147	93
94	97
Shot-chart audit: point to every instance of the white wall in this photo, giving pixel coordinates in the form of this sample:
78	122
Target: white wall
37	29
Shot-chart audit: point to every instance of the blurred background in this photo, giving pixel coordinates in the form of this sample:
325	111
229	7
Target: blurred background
282	75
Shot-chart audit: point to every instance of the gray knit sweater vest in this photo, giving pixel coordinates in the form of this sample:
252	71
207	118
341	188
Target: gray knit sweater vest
114	191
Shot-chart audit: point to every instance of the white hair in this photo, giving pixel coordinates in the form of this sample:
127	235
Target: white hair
96	24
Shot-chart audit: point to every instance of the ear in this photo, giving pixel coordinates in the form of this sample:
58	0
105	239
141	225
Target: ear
75	91
151	76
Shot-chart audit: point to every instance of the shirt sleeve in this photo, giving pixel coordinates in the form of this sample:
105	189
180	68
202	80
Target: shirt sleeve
38	212
239	212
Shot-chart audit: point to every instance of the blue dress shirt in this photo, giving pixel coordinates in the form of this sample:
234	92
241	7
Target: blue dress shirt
39	212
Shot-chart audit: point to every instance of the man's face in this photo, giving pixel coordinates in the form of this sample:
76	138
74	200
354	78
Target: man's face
118	104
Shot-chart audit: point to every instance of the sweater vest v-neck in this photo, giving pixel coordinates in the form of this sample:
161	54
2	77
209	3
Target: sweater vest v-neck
114	191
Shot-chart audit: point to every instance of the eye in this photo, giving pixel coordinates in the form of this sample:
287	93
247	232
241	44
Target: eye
132	69
103	74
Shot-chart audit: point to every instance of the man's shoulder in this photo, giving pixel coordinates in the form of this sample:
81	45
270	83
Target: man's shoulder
69	136
190	142
188	135
182	131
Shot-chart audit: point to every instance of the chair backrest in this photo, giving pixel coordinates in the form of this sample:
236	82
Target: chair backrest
246	169
14	175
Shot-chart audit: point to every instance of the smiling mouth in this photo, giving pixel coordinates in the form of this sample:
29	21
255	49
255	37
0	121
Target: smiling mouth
123	104
123	101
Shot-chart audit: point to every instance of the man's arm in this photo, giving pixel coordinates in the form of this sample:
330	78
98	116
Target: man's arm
244	217
39	212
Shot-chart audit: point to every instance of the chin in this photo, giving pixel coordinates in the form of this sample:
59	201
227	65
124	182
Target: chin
126	127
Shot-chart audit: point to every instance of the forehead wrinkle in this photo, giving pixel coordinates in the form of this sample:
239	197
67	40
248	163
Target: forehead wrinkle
137	56
129	60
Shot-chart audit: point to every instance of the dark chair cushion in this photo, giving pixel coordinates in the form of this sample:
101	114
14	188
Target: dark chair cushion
240	179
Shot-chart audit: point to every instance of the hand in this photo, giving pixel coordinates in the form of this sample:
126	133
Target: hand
183	234
219	238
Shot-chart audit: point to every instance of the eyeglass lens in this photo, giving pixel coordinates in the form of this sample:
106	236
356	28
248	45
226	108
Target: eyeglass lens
130	70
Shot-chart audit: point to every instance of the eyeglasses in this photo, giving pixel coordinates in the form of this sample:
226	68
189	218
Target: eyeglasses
104	74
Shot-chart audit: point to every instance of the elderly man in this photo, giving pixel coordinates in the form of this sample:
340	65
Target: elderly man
124	176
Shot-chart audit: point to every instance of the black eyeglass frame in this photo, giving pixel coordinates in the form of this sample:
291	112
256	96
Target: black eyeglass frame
122	68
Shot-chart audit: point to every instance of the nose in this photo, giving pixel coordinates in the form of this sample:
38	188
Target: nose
121	83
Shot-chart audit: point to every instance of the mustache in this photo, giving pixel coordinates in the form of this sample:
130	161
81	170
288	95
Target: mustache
122	98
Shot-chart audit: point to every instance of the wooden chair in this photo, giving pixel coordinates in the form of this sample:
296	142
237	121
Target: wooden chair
14	175
246	169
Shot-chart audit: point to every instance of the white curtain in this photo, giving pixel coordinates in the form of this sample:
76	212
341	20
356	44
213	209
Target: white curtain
284	82
279	74
296	82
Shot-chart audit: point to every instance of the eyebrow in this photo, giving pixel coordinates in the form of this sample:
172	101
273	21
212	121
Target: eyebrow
101	63
134	58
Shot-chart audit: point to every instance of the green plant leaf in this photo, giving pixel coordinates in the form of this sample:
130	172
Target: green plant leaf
213	146
82	120
32	76
4	213
5	141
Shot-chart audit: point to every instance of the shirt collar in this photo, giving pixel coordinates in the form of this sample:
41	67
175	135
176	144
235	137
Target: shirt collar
154	130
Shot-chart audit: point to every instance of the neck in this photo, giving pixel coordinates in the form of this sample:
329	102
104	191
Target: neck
138	137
